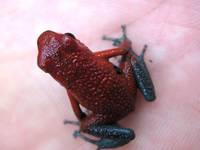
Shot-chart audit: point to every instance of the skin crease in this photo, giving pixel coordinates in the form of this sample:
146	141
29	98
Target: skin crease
33	106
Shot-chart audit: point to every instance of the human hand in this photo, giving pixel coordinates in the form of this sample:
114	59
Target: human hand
33	106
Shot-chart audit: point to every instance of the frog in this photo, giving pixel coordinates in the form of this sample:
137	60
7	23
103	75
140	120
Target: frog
106	91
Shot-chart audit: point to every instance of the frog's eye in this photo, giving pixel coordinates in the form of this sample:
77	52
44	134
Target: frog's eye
70	34
69	41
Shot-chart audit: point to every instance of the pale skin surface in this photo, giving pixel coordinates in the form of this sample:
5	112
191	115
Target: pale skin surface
33	106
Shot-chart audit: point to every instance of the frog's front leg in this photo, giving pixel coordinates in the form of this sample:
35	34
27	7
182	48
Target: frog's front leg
75	106
108	53
111	135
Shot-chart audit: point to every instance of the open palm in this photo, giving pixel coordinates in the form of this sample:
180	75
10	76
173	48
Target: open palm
33	106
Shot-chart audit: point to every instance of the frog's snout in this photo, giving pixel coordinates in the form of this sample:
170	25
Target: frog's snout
48	44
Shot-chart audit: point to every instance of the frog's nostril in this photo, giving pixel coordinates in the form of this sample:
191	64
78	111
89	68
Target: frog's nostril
44	38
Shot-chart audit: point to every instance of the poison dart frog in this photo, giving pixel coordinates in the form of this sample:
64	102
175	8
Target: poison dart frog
107	91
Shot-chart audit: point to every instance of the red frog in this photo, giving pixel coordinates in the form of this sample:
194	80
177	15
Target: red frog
107	91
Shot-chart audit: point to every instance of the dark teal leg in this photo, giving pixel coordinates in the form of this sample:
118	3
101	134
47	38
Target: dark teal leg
142	76
112	136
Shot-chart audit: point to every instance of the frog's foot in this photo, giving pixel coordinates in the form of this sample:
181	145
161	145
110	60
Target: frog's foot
117	41
142	75
77	123
139	58
112	136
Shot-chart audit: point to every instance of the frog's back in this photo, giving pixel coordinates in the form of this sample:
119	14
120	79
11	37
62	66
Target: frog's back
100	89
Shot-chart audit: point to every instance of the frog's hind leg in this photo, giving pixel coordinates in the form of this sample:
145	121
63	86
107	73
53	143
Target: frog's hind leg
136	63
125	135
102	143
111	135
142	75
117	41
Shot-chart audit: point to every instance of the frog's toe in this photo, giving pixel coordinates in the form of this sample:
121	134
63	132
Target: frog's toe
117	41
76	133
77	123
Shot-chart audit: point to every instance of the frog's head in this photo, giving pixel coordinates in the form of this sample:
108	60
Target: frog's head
53	47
